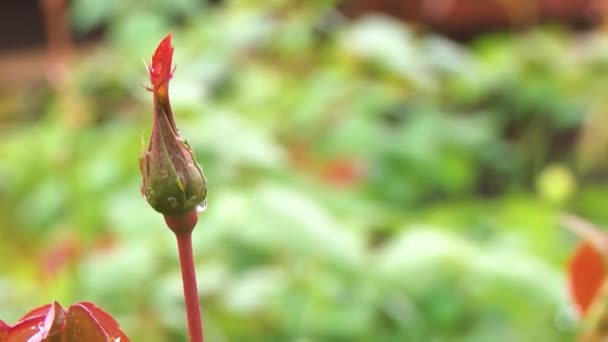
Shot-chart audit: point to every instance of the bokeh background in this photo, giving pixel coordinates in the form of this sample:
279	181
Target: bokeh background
378	170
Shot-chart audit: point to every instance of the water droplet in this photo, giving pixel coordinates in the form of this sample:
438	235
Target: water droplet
172	202
148	194
164	173
201	207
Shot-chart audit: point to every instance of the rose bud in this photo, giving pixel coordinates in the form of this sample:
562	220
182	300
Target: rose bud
173	182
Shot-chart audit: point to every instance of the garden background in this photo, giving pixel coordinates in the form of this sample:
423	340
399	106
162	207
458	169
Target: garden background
370	179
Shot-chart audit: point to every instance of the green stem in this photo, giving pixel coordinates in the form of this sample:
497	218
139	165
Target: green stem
186	261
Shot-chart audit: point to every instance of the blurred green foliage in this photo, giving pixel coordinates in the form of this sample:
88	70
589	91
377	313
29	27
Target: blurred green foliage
368	182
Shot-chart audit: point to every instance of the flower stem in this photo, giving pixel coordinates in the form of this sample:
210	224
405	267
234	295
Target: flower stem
186	261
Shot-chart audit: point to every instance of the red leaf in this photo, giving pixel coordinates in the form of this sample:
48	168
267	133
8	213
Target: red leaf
25	329
107	322
41	324
587	270
4	328
37	312
87	322
53	324
50	323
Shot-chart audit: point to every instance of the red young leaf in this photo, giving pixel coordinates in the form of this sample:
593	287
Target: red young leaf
106	321
160	69
587	271
87	322
53	324
37	312
41	324
50	323
3	330
25	329
81	326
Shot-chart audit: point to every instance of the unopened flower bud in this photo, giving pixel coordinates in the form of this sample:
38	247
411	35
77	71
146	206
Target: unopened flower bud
173	182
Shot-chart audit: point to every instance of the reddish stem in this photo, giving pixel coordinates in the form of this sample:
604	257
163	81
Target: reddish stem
186	261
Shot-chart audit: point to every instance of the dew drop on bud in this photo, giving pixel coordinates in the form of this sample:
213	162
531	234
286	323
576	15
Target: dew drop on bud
172	202
201	207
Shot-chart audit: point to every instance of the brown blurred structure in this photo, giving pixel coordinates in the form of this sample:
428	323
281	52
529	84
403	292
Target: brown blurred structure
27	26
59	40
466	18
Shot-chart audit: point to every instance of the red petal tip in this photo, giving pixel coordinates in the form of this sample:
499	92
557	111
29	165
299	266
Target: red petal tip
160	69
